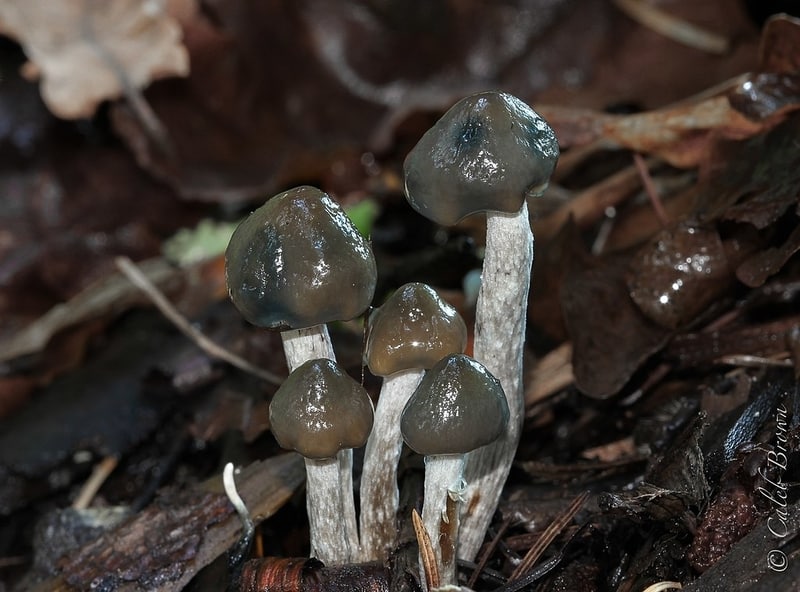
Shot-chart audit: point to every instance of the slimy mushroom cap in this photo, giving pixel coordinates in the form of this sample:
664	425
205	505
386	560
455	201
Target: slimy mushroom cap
319	410
414	328
486	153
298	261
457	407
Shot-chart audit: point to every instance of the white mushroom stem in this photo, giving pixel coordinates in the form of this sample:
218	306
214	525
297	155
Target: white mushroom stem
337	533
380	497
326	508
499	343
302	345
444	490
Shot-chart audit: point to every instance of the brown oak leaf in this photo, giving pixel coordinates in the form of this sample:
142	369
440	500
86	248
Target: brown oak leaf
87	51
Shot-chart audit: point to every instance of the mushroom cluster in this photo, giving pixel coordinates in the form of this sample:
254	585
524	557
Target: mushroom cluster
409	334
298	263
489	153
295	264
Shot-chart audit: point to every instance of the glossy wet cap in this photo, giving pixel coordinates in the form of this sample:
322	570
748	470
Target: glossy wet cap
414	328
298	261
319	410
486	153
457	407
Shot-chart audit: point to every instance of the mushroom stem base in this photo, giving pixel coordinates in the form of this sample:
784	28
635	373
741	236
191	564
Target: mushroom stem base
444	490
326	517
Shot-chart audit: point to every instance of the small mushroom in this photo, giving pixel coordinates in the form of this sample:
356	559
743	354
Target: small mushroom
318	411
488	153
457	407
408	334
294	264
298	261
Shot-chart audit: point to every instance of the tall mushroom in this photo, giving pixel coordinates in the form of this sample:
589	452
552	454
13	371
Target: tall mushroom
457	407
294	264
408	334
319	411
487	153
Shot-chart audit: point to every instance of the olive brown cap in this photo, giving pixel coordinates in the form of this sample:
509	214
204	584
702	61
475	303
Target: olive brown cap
298	261
457	407
319	410
414	328
486	153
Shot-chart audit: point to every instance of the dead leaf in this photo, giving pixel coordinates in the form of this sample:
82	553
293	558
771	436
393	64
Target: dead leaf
780	45
610	335
755	181
755	270
760	339
283	92
87	51
680	135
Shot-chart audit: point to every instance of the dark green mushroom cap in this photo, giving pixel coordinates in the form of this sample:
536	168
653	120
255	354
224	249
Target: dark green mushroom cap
319	410
298	261
414	328
486	153
457	407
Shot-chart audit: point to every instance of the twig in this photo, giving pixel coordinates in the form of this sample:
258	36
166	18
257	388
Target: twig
650	188
673	28
484	558
661	586
749	361
550	533
99	475
14	561
590	204
552	373
138	279
542	570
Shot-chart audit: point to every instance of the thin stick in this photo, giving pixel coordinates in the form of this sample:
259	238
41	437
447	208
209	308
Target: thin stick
661	586
140	280
650	189
673	28
550	533
99	475
486	555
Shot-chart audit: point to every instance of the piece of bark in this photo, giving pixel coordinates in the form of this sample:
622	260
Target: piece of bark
163	547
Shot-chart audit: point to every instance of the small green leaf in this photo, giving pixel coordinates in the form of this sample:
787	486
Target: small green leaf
190	245
363	215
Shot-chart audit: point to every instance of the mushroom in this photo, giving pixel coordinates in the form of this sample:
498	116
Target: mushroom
487	153
294	264
408	334
318	411
457	407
